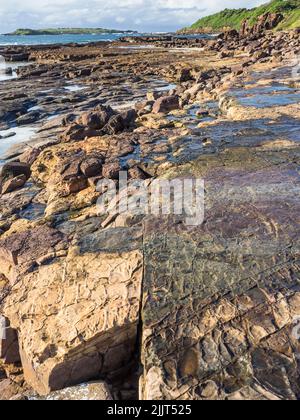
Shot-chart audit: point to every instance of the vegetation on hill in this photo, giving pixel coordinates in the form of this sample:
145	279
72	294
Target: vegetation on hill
233	18
66	31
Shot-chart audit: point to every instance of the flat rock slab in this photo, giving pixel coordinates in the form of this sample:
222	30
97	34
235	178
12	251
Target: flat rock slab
85	392
79	319
21	252
221	300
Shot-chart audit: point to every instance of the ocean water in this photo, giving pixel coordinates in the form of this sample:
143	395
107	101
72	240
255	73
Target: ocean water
66	39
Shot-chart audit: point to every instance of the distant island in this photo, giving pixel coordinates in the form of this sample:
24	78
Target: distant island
66	31
233	18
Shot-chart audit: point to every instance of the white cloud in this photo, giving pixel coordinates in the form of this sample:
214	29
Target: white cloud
120	19
143	15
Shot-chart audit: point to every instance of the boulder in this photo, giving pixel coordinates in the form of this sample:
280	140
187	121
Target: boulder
91	167
88	392
129	118
111	170
77	132
93	120
166	104
143	108
98	118
13	184
225	54
185	75
17	57
260	55
13	176
29	118
137	173
76	184
115	125
21	252
8	71
71	168
265	22
229	35
194	90
84	313
13	169
30	155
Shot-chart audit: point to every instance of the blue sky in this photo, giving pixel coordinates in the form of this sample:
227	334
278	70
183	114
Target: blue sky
142	15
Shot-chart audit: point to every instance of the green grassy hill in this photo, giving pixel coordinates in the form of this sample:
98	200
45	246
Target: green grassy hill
232	18
65	31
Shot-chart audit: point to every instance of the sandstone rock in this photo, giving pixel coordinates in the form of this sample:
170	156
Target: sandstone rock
14	169
89	308
85	392
77	132
75	184
93	120
13	184
260	55
225	54
229	35
16	57
97	119
115	125
19	252
184	75
8	71
30	155
202	113
3	284
166	104
194	90
155	121
129	118
137	173
71	168
111	170
265	22
212	310
29	118
91	167
213	328
94	181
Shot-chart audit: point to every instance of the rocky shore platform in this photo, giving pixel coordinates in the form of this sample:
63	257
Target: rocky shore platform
129	306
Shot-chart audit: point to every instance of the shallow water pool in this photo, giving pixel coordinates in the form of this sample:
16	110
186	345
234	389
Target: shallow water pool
22	134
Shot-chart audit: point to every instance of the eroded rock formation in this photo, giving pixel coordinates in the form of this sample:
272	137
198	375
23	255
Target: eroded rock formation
191	312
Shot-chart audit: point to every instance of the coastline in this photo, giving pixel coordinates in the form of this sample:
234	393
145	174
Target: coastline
149	306
32	40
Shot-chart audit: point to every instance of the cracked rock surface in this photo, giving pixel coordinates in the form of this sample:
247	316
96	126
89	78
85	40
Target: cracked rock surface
101	305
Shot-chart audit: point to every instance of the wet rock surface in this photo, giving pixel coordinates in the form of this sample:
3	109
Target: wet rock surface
188	312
